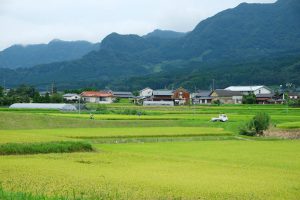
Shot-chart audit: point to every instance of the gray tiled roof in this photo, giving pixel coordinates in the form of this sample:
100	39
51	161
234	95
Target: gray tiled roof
227	93
162	92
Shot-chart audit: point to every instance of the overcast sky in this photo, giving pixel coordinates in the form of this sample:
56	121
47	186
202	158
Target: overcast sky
39	21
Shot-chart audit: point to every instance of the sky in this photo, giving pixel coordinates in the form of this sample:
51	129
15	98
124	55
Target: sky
40	21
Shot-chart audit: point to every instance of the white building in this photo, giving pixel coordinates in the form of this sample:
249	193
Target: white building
97	97
147	92
71	97
250	89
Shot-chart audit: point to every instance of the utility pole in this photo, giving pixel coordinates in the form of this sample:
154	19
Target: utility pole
213	85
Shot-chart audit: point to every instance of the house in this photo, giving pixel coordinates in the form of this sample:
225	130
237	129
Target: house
101	97
294	95
181	96
201	97
227	96
245	90
123	95
162	95
266	99
71	97
51	106
147	92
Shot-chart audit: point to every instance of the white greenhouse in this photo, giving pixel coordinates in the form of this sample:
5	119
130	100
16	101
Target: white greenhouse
54	106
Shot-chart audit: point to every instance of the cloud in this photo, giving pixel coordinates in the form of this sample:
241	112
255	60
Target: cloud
32	21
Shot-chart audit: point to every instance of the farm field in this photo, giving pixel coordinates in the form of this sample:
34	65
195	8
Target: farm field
165	153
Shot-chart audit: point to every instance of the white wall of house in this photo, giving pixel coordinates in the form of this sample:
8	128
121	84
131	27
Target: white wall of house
262	90
237	99
72	98
147	92
102	100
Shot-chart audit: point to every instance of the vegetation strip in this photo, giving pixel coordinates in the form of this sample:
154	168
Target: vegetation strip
44	148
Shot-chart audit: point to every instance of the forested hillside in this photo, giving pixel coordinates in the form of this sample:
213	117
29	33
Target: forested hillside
250	44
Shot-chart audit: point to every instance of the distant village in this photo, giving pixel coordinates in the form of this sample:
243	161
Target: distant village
163	97
181	96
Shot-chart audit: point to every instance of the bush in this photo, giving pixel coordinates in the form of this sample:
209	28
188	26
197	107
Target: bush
249	99
256	126
248	129
50	147
261	122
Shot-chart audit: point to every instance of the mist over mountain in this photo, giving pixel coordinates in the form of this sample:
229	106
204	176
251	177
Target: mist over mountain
263	39
55	51
165	34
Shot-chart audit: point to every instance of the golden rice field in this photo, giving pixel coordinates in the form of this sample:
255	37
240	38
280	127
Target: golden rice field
215	163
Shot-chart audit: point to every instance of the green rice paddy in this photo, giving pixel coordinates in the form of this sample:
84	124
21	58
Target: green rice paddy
169	153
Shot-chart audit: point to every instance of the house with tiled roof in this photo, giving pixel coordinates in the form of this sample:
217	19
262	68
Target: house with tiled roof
227	96
101	97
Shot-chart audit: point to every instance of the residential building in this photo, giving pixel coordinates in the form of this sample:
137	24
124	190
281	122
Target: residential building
101	97
123	95
201	97
162	95
266	99
181	96
147	92
250	89
227	96
71	97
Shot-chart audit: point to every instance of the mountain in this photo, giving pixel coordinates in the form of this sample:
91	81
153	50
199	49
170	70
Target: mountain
248	30
262	38
165	34
55	51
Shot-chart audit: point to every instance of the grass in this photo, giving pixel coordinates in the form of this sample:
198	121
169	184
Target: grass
290	125
44	148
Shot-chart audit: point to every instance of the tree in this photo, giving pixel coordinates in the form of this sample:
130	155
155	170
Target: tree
261	122
1	91
249	99
56	98
46	99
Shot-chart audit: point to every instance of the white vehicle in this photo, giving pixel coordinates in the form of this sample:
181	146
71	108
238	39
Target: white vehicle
221	118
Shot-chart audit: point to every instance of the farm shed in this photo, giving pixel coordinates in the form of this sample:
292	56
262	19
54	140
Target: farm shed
63	107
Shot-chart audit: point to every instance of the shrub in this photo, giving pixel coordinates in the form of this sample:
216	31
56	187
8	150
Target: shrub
50	147
257	125
249	99
261	122
248	129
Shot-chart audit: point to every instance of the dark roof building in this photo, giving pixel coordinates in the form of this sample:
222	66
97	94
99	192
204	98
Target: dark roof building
124	95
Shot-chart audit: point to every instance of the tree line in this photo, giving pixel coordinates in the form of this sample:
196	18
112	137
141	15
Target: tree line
28	94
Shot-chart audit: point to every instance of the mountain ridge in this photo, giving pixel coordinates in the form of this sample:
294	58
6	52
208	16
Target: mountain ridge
238	35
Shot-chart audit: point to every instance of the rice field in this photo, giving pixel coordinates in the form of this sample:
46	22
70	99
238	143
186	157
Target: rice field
168	153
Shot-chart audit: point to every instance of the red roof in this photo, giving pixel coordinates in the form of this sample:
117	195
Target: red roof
96	94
